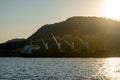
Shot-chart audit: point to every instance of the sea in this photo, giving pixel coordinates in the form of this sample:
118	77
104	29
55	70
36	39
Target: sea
16	68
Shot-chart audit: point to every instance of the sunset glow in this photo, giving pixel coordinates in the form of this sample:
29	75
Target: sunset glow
21	18
110	9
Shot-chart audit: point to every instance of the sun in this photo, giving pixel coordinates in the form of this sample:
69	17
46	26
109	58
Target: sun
111	9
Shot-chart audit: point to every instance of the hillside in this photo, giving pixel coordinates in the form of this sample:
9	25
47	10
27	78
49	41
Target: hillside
78	26
77	36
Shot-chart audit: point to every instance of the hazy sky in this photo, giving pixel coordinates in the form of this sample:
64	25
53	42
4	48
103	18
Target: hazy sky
21	18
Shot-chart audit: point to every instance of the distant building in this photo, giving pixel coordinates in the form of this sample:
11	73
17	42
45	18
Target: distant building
29	48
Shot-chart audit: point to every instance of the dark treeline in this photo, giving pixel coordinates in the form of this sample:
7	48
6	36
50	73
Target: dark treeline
12	48
102	35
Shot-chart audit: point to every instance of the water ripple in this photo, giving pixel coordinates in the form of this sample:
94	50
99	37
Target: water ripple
59	68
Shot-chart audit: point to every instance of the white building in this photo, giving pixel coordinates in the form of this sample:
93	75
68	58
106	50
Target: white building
29	48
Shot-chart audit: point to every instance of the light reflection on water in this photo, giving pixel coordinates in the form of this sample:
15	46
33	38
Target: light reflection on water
111	68
59	68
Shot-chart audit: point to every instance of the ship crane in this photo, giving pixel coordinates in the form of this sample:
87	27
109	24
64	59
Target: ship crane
84	43
70	44
57	43
45	44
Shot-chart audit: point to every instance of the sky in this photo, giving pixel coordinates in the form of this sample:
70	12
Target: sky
21	18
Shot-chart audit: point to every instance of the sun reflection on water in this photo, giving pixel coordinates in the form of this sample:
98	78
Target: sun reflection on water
111	68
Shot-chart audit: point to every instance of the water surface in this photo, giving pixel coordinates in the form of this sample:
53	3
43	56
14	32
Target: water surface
59	68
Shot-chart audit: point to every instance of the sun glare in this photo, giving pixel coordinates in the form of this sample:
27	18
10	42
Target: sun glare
111	9
111	68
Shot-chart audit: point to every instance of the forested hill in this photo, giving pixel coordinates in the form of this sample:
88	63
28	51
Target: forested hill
75	37
78	26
